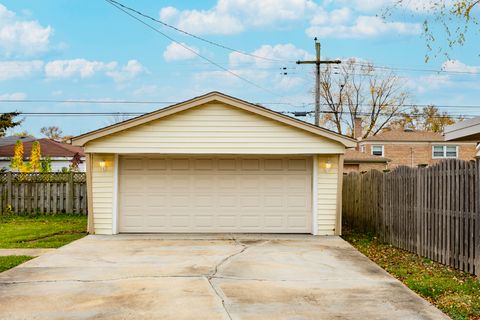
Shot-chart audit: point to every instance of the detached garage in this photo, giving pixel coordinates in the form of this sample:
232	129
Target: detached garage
214	164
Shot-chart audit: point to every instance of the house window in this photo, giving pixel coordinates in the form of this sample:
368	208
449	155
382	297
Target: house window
362	149
445	151
377	151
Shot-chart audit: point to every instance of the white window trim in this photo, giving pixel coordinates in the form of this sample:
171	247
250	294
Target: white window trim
378	145
444	147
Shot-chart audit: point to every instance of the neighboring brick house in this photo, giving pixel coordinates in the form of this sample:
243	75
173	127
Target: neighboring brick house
359	161
414	148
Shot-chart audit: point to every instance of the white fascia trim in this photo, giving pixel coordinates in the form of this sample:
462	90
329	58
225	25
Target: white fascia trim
115	196
315	196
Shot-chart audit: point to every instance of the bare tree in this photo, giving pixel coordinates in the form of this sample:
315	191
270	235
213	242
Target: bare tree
428	118
118	118
52	132
355	90
455	18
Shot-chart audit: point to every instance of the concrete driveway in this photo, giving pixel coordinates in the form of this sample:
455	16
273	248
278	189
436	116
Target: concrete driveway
206	277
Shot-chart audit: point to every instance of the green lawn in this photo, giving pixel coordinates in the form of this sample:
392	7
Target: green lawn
9	262
455	293
43	231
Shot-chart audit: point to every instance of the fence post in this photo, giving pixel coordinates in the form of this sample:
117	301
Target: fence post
69	193
418	210
477	218
9	189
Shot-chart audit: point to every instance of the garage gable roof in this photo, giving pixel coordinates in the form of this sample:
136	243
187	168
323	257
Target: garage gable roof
81	140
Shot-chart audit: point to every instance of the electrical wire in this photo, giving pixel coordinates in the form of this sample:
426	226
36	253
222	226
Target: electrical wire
195	36
414	69
193	51
134	114
80	101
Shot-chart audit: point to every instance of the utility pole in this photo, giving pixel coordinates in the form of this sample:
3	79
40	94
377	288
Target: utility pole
317	62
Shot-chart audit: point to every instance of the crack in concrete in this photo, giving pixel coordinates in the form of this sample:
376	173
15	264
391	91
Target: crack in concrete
221	263
207	277
220	296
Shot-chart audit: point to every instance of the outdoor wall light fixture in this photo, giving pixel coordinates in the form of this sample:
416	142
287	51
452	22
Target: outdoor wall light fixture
103	165
328	165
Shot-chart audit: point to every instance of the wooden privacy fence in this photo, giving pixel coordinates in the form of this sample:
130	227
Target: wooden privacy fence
43	193
434	211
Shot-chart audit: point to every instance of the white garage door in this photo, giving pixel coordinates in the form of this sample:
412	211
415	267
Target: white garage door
215	194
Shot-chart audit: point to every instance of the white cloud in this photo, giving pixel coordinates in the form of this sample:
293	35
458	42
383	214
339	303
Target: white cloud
287	83
13	96
287	52
132	69
458	66
22	37
261	71
82	68
19	69
168	13
175	51
76	68
363	27
234	16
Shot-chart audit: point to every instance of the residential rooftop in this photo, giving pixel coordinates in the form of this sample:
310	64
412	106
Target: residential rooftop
355	156
48	148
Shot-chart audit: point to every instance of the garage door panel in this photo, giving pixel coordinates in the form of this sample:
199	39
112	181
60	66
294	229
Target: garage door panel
204	221
215	194
297	164
157	164
204	201
274	164
155	201
203	164
131	183
180	164
132	164
274	221
227	164
227	201
297	202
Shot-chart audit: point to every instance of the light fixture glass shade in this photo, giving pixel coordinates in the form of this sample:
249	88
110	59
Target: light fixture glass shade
328	165
103	165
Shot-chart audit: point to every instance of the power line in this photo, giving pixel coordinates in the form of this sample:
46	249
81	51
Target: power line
80	101
134	114
415	69
191	50
193	35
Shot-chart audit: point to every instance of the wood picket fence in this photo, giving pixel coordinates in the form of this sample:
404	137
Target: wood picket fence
433	211
32	193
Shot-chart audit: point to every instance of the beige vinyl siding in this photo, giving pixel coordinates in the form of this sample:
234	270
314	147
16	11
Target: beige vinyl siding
327	180
102	190
214	128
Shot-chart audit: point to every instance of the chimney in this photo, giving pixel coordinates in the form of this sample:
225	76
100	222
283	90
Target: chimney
357	128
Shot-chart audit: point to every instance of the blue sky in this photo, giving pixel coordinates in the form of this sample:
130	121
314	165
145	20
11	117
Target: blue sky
89	50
